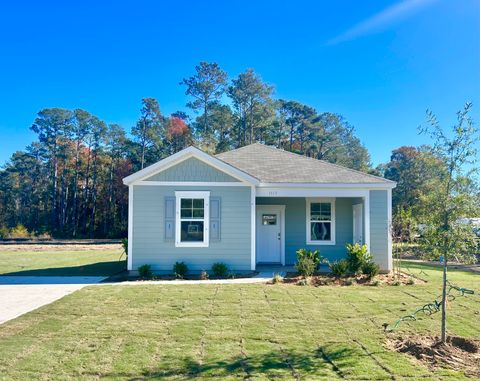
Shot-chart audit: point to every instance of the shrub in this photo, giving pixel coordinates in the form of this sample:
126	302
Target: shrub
357	255
349	282
370	269
307	262
203	275
219	270
339	268
411	281
19	231
277	278
145	271
4	232
180	269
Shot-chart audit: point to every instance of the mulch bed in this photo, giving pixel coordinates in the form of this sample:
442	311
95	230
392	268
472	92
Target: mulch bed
330	280
458	353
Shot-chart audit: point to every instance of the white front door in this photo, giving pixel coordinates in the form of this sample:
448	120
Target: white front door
269	234
358	223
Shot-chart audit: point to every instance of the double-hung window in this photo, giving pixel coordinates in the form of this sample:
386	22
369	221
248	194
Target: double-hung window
321	221
192	219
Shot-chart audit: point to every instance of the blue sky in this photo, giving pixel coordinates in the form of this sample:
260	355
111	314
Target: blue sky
381	64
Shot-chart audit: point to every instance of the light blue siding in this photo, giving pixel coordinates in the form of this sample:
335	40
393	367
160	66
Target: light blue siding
295	226
379	227
150	247
192	170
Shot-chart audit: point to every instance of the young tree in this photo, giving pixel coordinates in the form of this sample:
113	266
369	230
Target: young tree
445	238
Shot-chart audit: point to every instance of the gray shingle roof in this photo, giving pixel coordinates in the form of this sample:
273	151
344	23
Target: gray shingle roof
272	165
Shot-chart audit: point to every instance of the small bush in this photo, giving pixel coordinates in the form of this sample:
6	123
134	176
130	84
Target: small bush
376	283
411	281
357	255
339	268
203	275
4	232
19	231
370	269
349	282
219	270
277	278
145	271
180	269
307	262
397	283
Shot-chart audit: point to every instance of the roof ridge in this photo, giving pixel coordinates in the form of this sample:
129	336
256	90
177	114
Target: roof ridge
322	161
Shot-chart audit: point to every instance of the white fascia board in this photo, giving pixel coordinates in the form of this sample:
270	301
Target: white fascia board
369	186
186	154
310	192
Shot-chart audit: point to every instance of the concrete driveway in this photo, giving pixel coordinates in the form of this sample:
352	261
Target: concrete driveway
21	294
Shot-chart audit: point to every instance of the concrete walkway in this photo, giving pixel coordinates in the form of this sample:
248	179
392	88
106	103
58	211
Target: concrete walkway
22	294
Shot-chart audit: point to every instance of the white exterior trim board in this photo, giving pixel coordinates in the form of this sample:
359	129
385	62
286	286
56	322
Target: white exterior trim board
191	183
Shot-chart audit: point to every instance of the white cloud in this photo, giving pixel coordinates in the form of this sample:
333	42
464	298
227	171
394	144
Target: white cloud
384	18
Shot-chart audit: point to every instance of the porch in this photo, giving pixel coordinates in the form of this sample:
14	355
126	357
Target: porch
286	224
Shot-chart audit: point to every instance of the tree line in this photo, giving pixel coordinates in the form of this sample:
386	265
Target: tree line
68	183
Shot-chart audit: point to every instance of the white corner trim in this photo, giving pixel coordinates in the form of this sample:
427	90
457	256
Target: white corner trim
330	200
253	233
130	228
366	209
389	221
206	218
261	208
186	154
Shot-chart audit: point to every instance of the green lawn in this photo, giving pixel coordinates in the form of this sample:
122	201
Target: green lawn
61	263
231	332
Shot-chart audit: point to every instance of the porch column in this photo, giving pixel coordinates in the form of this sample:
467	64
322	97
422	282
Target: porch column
366	210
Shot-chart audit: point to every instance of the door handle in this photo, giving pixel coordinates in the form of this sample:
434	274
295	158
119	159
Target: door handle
279	236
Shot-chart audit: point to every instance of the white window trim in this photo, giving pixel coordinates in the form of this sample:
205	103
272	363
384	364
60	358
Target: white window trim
333	221
206	218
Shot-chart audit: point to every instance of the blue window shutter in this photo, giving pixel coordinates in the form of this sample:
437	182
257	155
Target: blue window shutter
215	218
169	218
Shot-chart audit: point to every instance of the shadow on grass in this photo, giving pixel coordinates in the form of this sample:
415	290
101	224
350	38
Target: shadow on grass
91	269
287	364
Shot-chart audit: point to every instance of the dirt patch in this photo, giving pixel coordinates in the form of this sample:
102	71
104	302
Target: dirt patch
458	353
330	280
59	247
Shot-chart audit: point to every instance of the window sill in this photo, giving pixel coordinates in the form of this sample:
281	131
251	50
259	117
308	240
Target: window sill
319	243
191	244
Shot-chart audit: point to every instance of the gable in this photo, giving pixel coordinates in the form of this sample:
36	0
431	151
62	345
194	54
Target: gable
192	169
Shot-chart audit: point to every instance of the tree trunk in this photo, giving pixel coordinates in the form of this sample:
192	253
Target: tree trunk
444	303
